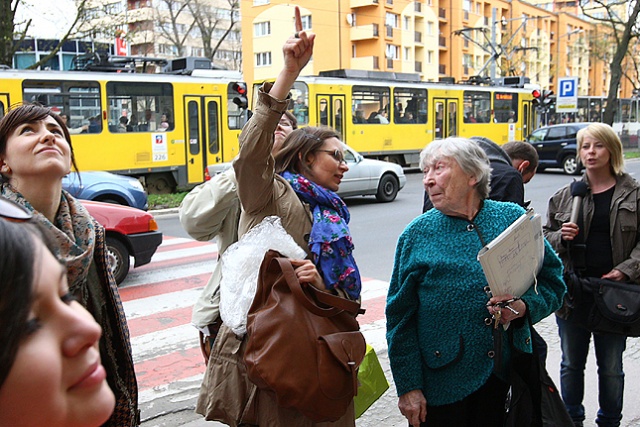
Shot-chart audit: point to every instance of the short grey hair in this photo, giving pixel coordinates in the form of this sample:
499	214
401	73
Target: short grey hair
469	156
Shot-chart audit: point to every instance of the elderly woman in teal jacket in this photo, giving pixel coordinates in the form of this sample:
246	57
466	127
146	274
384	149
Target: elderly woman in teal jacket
439	325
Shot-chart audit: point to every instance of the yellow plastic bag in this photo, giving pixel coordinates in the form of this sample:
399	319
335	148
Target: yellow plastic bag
371	382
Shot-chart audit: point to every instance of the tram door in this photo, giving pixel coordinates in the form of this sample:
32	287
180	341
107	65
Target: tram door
330	112
203	141
445	117
4	103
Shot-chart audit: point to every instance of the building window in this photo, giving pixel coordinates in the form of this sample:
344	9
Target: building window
263	59
430	57
407	22
392	20
306	22
407	53
262	29
430	28
393	51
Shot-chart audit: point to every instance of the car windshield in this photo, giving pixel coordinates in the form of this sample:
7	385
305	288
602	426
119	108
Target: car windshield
537	135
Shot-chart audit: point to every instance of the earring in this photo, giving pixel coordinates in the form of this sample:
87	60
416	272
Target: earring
5	168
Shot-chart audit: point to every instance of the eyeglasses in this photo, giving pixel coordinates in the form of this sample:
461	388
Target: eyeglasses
336	154
12	211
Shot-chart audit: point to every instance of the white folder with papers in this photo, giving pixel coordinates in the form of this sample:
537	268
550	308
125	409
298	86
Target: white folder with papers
512	260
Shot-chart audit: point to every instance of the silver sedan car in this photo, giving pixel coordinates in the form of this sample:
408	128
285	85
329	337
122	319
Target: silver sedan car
365	177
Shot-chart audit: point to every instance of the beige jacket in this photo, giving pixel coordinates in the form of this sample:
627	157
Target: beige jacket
212	210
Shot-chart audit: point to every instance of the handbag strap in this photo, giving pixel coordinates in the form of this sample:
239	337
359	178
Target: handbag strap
335	303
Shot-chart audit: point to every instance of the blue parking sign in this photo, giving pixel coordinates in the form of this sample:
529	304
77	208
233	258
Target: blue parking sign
567	101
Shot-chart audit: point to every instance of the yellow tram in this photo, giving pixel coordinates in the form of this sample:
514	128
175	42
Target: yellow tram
392	116
162	128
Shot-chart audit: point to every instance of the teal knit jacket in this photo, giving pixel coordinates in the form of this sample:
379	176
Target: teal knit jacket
438	338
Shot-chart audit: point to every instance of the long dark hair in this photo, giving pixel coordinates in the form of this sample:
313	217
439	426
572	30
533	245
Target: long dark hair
17	265
297	147
29	113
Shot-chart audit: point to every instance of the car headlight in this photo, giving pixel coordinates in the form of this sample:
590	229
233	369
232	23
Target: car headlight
136	184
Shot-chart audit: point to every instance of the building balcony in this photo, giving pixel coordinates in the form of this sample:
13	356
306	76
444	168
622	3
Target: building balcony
417	38
365	63
138	15
418	67
364	32
389	32
442	42
442	69
442	13
363	3
417	7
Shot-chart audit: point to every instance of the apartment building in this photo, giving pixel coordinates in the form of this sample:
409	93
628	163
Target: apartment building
437	39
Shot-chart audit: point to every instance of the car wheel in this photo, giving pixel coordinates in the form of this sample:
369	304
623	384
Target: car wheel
387	188
112	200
570	165
118	259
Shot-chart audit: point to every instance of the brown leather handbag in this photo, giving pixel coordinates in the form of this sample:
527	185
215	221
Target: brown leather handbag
303	344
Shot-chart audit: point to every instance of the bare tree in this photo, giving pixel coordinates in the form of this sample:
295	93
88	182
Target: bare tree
83	24
174	24
623	30
209	19
8	31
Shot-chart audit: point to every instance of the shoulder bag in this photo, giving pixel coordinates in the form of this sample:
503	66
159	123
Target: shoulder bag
303	344
533	399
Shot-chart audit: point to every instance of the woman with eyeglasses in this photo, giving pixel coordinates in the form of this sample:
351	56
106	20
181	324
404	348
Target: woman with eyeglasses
298	185
49	353
35	154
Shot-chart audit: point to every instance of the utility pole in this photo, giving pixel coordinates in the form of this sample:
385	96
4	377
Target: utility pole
494	21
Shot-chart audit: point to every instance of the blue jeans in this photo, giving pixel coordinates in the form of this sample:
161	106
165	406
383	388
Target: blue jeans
575	348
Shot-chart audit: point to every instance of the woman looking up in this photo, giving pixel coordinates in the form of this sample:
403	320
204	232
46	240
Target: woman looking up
35	154
298	185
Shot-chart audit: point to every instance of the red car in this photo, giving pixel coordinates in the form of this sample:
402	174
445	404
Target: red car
130	233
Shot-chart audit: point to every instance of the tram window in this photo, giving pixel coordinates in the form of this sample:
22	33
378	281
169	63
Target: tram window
477	106
143	103
368	103
505	107
409	105
193	127
214	142
299	106
2	108
80	101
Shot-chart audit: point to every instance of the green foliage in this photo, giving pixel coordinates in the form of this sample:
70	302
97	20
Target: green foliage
165	201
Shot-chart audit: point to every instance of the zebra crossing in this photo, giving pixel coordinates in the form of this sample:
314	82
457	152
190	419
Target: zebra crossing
158	299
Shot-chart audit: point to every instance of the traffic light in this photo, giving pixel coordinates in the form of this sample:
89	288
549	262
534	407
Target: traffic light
537	98
241	99
547	100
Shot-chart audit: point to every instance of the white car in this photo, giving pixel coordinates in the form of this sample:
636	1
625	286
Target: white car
365	177
368	177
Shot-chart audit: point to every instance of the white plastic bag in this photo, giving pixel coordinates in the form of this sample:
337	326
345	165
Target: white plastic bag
241	265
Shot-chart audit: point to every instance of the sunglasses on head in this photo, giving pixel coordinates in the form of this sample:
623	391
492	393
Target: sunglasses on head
336	154
12	211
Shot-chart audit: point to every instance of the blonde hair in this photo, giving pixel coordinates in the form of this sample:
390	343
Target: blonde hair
604	134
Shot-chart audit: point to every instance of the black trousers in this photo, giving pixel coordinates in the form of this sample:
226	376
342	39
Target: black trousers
483	408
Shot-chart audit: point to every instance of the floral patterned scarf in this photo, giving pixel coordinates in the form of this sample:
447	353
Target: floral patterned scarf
330	240
73	232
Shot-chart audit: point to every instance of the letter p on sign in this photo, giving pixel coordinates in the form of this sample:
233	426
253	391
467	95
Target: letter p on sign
567	88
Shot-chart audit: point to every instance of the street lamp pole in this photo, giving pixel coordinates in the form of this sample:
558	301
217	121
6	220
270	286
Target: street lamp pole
574	31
